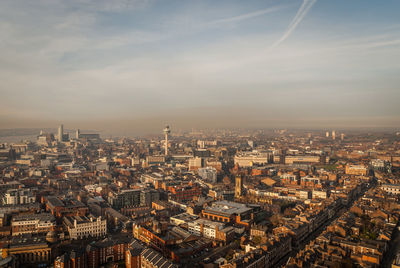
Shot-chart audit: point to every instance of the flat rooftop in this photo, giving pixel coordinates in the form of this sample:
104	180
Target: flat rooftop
27	241
185	217
31	217
228	208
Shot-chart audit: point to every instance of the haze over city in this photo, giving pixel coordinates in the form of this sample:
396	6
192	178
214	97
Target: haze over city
199	133
132	66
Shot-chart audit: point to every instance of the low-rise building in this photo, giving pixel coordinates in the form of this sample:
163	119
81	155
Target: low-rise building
206	228
152	259
19	196
228	212
182	218
29	250
391	188
356	170
32	223
83	227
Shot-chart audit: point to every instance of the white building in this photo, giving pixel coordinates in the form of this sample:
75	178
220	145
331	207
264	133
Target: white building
19	196
248	159
319	194
196	163
93	188
378	163
83	227
391	188
208	174
205	228
33	223
182	218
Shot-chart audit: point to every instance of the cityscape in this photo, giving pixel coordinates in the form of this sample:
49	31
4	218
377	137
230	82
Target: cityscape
199	134
223	198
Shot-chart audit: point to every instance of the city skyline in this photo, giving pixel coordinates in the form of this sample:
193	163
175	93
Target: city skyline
132	66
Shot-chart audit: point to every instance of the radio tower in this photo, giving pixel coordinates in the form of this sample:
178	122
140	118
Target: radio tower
166	132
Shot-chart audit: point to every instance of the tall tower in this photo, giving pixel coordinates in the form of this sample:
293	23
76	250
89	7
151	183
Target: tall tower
77	134
333	134
327	134
238	186
166	132
60	133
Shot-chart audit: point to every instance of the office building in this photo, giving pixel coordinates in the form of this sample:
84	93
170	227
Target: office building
208	174
60	133
32	223
248	159
19	196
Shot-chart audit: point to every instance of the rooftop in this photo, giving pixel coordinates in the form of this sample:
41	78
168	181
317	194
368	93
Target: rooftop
228	208
31	217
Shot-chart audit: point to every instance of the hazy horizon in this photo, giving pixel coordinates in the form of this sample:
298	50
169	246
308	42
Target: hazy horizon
133	66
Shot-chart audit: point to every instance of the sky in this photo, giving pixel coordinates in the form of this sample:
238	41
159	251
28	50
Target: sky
132	66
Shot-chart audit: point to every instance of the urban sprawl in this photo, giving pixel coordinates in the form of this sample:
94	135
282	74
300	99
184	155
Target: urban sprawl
210	198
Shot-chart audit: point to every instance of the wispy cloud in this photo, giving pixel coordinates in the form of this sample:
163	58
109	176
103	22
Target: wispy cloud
301	13
113	58
102	5
249	15
387	39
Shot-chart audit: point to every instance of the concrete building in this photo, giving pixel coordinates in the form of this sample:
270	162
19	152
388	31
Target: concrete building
208	174
391	188
206	228
319	194
183	218
125	198
29	251
228	212
32	223
83	227
356	170
195	163
303	159
148	196
19	196
60	134
248	159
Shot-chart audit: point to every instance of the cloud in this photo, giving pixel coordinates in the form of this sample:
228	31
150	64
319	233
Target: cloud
301	13
68	64
249	15
100	5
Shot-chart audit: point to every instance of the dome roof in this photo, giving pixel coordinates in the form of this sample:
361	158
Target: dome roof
51	237
51	234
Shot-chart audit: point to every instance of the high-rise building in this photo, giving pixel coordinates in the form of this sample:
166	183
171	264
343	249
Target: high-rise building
60	133
166	132
238	186
333	135
342	136
327	134
77	133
